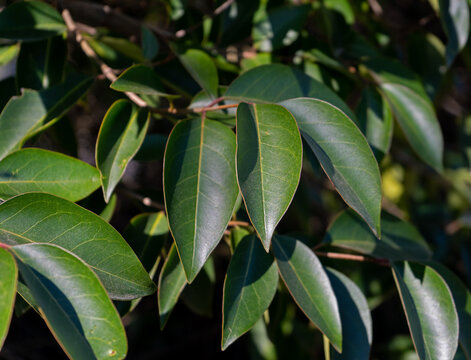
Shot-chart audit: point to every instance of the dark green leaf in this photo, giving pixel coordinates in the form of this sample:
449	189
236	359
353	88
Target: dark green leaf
429	309
8	280
343	153
198	296
200	188
152	148
249	288
201	67
107	211
139	79
172	281
399	239
44	218
121	134
276	82
269	161
309	285
150	44
237	234
40	170
357	326
73	302
30	21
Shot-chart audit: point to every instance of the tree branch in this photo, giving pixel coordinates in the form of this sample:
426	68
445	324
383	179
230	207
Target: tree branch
333	255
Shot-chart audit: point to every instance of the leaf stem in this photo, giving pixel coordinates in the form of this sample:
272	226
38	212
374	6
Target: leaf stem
333	255
326	347
5	246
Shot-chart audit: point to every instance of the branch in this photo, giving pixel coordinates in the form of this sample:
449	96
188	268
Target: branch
147	201
332	255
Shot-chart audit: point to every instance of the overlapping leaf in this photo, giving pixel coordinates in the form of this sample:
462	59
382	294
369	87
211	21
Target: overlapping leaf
139	79
44	218
8	280
200	188
201	67
269	161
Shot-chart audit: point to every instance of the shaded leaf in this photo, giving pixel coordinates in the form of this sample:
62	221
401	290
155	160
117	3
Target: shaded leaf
269	161
44	218
309	285
152	148
201	67
140	79
249	288
150	44
41	170
198	296
7	291
343	153
429	309
200	188
73	302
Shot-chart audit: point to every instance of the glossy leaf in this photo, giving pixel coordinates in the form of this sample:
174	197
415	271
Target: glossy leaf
172	281
33	111
399	239
201	67
269	161
139	79
44	218
276	83
41	170
355	316
343	153
121	134
200	188
73	302
30	21
309	285
429	309
7	291
249	288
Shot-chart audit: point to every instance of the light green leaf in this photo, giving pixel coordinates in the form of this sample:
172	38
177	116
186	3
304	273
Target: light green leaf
430	311
121	134
399	239
150	44
269	161
30	21
172	281
73	302
40	170
44	218
8	281
140	79
249	288
202	68
343	153
355	316
309	285
275	83
200	188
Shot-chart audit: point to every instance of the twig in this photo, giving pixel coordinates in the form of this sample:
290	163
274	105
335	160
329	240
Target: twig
147	201
238	223
332	255
176	111
4	246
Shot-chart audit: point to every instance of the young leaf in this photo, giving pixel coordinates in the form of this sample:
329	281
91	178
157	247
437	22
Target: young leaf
249	288
72	301
30	21
269	161
276	83
355	316
40	170
139	79
44	218
429	309
309	285
344	155
399	239
172	281
8	281
121	134
200	188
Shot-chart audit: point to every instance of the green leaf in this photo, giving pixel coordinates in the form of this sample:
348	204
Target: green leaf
454	15
429	309
399	239
200	188
140	79
309	285
44	218
121	134
172	281
355	316
30	21
8	281
198	296
269	161
275	83
40	170
32	112
150	44
73	302
146	235
153	148
343	153
375	120
201	67
249	288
